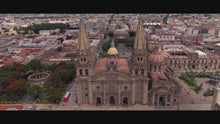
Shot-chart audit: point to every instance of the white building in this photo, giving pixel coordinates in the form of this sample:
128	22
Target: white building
46	32
162	37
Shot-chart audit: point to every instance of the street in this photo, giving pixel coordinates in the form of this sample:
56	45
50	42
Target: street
72	89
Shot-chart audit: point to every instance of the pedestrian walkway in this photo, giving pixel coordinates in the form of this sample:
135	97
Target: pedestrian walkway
72	91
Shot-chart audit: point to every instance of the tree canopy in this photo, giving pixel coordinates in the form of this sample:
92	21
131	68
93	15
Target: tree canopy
34	64
45	26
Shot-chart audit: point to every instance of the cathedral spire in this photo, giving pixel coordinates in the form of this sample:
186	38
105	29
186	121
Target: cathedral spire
82	43
140	42
112	44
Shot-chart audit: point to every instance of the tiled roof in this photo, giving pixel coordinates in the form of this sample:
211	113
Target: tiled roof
5	107
155	76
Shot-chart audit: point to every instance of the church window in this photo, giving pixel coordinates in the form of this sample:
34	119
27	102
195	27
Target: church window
125	87
136	71
141	58
155	68
111	62
81	59
80	71
138	58
142	71
87	72
97	87
84	59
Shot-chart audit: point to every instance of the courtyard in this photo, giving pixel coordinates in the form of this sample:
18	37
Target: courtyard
189	96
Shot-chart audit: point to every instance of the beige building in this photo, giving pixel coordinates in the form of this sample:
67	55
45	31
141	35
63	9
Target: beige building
180	57
117	81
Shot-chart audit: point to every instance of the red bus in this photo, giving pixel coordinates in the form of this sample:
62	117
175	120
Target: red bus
66	97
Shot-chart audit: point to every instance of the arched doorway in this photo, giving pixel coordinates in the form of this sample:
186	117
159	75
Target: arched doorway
125	101
98	101
112	100
161	101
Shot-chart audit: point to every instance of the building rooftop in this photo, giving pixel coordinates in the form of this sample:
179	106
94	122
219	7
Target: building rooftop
156	76
200	53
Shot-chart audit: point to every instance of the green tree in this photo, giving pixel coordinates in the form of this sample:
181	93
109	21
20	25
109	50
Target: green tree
69	37
105	35
34	90
54	33
148	53
55	94
72	69
61	39
129	43
34	64
54	80
64	74
102	55
106	46
110	34
131	33
18	87
59	48
53	67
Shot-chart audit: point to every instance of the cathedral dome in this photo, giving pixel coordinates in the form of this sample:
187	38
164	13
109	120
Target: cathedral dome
112	51
156	56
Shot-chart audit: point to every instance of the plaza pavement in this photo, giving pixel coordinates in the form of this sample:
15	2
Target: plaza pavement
137	107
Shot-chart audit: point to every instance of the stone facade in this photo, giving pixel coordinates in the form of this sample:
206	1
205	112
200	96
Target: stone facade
117	81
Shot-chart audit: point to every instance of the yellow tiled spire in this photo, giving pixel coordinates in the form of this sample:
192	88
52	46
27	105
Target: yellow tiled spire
82	43
140	42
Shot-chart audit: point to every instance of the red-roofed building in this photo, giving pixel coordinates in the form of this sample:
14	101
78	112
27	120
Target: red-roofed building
11	107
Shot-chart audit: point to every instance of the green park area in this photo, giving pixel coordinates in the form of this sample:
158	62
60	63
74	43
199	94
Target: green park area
14	84
189	78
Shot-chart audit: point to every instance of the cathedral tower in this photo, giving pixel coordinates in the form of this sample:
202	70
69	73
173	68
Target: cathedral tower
138	67
83	53
139	55
84	63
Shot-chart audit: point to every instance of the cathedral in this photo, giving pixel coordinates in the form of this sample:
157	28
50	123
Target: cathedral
118	81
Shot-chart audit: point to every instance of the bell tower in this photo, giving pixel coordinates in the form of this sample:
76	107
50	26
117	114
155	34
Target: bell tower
139	54
84	63
138	67
83	53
